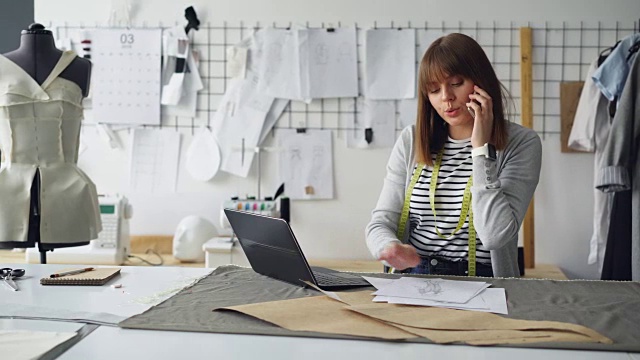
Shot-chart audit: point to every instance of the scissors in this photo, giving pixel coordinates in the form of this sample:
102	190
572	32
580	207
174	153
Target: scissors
7	274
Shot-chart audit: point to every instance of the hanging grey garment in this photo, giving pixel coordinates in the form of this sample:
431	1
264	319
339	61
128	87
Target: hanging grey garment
589	133
620	169
40	131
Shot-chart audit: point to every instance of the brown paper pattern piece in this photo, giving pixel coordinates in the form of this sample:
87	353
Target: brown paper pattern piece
494	337
449	319
321	314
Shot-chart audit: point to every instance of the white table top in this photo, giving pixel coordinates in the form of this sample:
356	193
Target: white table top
115	343
141	288
147	286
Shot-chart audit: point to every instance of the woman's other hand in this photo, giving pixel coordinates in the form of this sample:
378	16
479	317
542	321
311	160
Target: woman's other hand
400	256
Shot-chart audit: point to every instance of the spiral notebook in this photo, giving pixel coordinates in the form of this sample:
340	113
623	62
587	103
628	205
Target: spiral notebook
98	276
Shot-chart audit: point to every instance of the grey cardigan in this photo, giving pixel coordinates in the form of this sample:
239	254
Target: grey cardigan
501	193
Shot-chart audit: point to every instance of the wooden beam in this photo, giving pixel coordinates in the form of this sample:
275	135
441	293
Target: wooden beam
570	92
526	99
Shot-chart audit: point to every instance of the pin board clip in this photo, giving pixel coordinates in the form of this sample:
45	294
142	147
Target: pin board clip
368	135
192	18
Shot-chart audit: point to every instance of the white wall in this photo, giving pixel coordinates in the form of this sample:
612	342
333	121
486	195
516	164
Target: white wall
334	229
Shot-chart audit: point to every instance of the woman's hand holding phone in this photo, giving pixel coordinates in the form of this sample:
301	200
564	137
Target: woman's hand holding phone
480	106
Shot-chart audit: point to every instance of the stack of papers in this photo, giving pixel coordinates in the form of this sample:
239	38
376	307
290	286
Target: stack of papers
452	294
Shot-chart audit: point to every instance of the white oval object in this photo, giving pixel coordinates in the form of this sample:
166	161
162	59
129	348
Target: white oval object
203	156
192	232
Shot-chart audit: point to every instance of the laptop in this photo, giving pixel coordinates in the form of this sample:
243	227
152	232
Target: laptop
273	251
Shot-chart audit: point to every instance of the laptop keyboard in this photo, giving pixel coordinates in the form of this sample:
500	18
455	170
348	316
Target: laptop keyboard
329	279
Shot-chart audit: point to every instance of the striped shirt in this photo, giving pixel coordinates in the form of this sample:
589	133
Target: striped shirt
455	170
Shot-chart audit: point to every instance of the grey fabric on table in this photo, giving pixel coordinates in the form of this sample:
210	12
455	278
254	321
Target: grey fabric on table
611	308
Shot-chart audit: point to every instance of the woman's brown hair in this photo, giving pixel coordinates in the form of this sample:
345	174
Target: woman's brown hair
455	55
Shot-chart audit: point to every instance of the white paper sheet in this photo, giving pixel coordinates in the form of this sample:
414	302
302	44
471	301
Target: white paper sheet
177	47
254	46
306	163
238	123
408	109
451	291
476	303
154	160
273	115
380	116
390	64
488	300
237	62
301	64
23	344
245	114
378	282
280	64
188	104
333	63
125	80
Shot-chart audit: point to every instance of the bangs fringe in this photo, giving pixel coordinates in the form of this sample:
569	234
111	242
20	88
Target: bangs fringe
440	64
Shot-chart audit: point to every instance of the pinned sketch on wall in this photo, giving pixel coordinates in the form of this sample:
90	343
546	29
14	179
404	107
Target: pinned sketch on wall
176	52
408	112
272	117
154	161
333	63
188	104
377	115
245	115
306	163
280	64
389	64
237	62
238	123
126	76
304	64
252	46
181	79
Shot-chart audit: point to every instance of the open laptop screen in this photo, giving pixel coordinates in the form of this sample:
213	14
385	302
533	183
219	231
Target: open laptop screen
270	247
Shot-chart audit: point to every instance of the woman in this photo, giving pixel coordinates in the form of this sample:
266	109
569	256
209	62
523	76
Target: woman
482	167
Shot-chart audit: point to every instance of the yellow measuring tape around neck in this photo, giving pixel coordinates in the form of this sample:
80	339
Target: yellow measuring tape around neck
464	211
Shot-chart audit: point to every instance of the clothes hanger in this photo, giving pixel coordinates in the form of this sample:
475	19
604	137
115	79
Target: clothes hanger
633	49
604	53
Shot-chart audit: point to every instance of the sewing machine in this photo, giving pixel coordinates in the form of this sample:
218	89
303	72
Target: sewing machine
112	245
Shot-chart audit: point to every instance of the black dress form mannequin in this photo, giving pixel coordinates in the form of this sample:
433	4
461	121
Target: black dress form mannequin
37	56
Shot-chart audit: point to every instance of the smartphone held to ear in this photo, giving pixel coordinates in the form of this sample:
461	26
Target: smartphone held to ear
473	113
